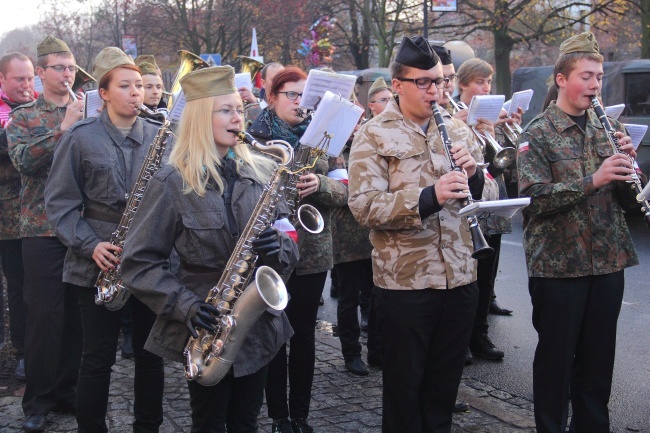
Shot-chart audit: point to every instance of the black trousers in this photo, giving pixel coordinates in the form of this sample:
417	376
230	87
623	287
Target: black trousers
576	321
233	404
374	332
53	330
486	276
354	278
101	329
424	335
305	292
12	267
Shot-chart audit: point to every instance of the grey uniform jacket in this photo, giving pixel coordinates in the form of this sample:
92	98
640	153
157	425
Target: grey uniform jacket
94	169
197	227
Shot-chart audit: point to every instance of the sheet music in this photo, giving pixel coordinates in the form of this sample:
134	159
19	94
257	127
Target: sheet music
92	104
336	116
38	84
318	82
519	99
243	80
614	111
485	107
503	208
637	132
177	109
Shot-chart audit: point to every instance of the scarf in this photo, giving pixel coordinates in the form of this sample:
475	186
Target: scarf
281	130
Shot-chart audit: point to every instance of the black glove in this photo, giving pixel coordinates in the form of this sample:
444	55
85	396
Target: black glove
267	247
202	315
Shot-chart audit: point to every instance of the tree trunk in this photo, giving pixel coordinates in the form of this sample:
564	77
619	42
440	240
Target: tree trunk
645	29
502	49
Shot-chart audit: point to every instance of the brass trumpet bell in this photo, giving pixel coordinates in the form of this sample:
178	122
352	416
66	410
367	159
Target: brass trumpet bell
81	78
189	63
249	64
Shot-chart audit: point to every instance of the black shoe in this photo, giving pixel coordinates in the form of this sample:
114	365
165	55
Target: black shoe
376	362
356	366
127	347
469	359
461	406
497	309
484	348
281	426
19	372
34	423
363	324
299	425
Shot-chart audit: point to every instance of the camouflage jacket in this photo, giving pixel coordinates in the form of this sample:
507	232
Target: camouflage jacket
94	169
391	162
571	229
9	191
315	249
350	240
32	135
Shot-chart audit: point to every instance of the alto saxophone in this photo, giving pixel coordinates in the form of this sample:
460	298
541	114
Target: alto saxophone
110	290
240	303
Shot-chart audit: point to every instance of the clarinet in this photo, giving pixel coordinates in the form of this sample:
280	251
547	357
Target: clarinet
481	248
635	183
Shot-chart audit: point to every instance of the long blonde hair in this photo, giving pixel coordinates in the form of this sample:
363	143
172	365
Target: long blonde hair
195	155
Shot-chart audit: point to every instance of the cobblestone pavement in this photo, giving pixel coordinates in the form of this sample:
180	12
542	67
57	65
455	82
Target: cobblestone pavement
341	402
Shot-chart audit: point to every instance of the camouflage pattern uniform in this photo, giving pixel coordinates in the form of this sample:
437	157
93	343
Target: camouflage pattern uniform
9	193
33	133
391	162
571	229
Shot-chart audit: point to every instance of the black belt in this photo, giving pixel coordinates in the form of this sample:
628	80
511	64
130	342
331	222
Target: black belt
109	217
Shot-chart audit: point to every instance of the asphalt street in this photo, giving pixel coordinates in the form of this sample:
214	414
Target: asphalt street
630	400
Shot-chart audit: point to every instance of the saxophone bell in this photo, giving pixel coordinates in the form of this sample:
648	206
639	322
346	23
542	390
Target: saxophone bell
310	219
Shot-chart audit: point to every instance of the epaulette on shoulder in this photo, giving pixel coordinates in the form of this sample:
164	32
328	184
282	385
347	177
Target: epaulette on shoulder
535	120
152	121
82	122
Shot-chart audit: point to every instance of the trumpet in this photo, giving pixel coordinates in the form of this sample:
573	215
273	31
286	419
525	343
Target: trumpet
481	248
504	156
72	94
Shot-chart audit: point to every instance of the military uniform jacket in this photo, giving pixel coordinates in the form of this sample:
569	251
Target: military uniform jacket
315	249
391	162
571	229
197	227
32	135
9	190
94	169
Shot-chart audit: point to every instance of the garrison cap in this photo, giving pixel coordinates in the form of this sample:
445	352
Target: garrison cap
416	53
108	59
147	68
582	43
443	53
51	45
377	86
145	58
214	81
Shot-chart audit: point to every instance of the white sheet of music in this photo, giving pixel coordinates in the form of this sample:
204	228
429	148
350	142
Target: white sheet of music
335	116
38	84
485	107
637	132
519	99
319	82
243	80
614	111
504	208
92	104
177	109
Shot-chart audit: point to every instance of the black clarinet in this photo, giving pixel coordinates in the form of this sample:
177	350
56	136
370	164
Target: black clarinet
481	248
635	183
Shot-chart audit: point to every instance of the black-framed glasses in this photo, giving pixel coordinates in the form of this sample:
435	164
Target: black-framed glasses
62	68
380	100
449	79
292	96
424	83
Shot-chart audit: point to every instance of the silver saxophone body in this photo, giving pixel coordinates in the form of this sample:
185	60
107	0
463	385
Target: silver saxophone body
242	294
110	290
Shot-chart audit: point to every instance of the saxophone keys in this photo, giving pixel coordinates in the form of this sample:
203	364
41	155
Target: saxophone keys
228	294
246	255
217	347
241	266
223	307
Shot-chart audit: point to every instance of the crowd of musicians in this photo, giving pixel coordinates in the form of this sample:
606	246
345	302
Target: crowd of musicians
392	238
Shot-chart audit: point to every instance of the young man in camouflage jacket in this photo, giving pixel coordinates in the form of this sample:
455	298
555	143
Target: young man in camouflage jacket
577	243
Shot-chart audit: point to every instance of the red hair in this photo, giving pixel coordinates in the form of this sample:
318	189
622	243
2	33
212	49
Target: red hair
290	74
106	79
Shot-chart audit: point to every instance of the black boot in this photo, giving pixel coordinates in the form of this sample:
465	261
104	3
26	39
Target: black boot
484	348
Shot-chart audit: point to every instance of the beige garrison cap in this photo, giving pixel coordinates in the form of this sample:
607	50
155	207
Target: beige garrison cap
583	43
147	68
214	81
108	59
378	85
145	58
51	45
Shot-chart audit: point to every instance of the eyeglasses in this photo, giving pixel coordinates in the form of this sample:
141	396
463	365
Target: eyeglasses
292	96
424	83
380	100
61	68
230	112
449	79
